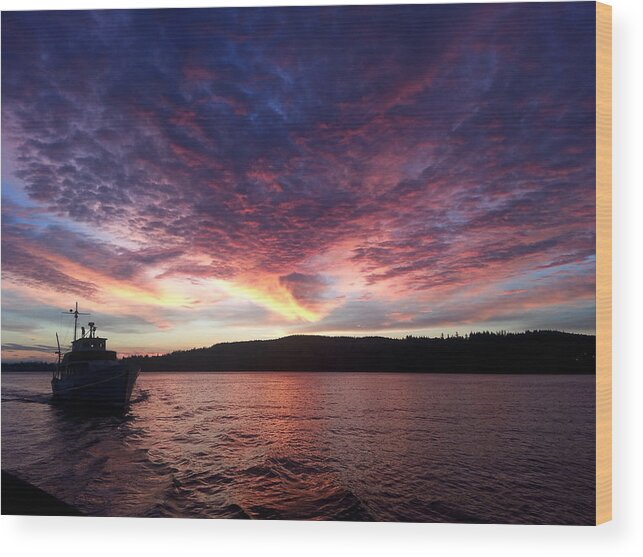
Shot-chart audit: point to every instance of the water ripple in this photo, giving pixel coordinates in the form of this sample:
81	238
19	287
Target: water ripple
313	446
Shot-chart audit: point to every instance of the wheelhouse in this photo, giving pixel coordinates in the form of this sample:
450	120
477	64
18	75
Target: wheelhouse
84	350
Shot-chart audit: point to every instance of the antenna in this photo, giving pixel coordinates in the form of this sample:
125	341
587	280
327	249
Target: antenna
75	313
58	351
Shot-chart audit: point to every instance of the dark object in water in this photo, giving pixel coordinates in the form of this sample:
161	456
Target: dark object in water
90	374
20	497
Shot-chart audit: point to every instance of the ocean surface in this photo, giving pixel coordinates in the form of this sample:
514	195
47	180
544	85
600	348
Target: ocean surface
321	446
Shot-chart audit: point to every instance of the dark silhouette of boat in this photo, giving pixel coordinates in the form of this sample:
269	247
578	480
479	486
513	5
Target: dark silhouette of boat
90	375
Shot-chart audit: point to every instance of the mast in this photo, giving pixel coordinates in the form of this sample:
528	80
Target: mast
75	320
76	313
59	353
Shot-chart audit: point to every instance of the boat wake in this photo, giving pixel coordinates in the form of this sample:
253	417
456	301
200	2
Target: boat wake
141	396
28	397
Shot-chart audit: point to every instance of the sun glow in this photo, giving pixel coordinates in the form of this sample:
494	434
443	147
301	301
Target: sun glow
271	296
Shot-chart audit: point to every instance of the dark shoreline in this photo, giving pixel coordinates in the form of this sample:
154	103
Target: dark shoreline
527	353
22	498
531	352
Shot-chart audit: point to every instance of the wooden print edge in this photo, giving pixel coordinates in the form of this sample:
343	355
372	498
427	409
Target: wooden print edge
603	263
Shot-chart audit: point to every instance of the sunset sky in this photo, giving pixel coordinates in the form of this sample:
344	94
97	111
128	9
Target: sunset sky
199	176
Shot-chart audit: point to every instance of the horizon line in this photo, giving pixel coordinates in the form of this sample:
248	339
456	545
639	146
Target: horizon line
449	336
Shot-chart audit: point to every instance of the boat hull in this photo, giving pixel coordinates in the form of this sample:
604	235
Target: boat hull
110	387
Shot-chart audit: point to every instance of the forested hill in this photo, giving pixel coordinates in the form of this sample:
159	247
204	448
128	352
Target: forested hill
529	352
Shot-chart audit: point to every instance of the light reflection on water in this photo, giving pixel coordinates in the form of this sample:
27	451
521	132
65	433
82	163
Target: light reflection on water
342	446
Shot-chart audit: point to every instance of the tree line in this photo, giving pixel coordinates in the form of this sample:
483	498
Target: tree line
478	352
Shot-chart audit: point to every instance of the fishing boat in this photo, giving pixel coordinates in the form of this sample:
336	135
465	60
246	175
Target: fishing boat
90	374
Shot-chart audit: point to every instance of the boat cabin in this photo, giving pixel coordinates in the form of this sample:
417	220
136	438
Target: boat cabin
89	347
91	343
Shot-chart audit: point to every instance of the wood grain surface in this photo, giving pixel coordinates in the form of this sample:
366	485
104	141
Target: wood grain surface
603	263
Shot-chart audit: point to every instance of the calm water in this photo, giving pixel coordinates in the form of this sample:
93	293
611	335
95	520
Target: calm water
352	446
